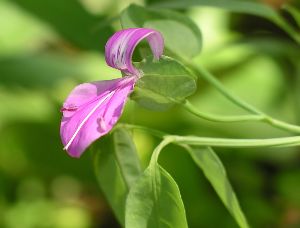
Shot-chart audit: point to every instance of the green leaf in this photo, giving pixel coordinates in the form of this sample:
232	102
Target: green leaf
71	21
163	83
117	167
175	28
155	201
294	12
110	179
237	6
214	171
126	155
32	71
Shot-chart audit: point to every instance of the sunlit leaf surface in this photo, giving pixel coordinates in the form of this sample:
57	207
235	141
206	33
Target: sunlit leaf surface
155	201
164	83
169	23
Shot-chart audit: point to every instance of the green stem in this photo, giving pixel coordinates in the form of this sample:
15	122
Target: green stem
236	143
242	118
257	114
166	141
281	125
218	142
216	118
220	87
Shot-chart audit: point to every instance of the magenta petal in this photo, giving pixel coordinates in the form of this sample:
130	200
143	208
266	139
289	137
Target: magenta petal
120	47
91	110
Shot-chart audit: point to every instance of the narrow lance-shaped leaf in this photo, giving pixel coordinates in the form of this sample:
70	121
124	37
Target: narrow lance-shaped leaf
127	156
214	171
117	167
109	177
175	28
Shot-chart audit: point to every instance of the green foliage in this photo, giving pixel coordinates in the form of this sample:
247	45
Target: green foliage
155	201
164	83
71	21
294	12
245	7
116	159
237	6
107	169
127	156
25	70
170	24
215	172
287	184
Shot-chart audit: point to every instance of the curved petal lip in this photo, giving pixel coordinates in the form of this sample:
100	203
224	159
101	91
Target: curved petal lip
120	47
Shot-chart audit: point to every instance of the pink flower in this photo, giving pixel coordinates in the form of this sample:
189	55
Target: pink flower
92	109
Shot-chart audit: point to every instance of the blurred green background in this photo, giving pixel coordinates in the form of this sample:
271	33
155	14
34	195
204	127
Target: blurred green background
47	47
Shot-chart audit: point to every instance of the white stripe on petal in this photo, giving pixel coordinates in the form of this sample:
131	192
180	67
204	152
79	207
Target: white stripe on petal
87	117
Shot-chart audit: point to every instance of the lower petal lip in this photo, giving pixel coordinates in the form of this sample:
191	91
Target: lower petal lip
86	118
81	128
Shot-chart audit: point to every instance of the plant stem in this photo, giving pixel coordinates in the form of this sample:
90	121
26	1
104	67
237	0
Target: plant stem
158	149
281	125
216	118
218	142
234	143
242	118
220	87
257	114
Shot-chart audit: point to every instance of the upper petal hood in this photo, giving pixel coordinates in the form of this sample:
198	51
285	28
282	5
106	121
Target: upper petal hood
120	47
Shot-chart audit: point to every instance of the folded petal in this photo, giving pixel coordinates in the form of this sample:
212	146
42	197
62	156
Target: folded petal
91	110
120	47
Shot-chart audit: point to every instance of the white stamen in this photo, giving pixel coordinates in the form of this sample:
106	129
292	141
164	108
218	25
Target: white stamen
102	123
87	117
